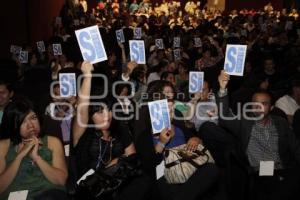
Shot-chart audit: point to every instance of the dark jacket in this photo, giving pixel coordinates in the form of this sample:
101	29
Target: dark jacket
289	148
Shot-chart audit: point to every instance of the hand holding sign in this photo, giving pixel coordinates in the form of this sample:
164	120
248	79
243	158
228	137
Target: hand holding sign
196	81
87	67
223	79
137	51
91	44
235	59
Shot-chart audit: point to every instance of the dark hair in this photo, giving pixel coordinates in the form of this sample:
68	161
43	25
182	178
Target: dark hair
13	117
164	75
156	87
265	92
8	85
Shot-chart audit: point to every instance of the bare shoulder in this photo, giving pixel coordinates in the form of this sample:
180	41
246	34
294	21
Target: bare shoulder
53	143
4	146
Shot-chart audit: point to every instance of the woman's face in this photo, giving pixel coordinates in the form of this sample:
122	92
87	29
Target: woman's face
171	78
30	126
102	119
168	92
181	69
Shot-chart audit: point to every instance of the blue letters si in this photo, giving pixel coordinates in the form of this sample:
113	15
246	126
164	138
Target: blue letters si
83	37
231	59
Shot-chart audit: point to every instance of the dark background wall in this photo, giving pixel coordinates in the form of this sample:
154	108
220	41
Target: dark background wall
26	21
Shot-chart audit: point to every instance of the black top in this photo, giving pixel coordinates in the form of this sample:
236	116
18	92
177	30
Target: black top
88	149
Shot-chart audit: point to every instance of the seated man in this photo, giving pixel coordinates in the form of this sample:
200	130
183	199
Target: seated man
263	137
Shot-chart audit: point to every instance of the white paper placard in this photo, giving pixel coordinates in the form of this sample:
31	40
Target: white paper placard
159	115
196	80
266	168
91	44
137	51
18	195
67	82
235	59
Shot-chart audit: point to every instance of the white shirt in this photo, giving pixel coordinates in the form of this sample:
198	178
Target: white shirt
153	77
287	104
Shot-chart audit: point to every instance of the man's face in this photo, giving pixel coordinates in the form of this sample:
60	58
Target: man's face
263	105
5	95
269	65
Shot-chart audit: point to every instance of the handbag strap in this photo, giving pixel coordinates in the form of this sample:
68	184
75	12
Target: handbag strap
186	158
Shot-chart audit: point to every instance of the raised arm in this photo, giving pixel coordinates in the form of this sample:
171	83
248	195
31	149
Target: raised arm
226	117
82	116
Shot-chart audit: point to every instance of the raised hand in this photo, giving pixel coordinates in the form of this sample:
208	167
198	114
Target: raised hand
87	67
223	80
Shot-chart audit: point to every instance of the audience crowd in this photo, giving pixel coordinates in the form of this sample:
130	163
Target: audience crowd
48	142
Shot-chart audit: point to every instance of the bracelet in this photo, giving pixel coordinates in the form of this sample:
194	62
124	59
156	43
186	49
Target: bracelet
162	145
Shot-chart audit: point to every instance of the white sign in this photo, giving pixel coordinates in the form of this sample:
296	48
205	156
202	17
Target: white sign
197	42
159	43
196	81
57	50
41	46
160	170
67	83
18	195
91	44
159	115
235	59
137	33
137	51
176	42
23	57
88	173
177	54
120	36
266	168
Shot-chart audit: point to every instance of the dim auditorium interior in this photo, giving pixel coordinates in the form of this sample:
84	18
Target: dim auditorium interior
150	100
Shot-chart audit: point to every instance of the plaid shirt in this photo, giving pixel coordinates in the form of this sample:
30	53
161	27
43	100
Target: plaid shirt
263	145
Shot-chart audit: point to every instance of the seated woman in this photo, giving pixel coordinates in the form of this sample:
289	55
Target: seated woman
29	160
99	141
151	148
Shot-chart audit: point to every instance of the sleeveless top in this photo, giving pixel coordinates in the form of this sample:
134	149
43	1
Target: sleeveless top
29	176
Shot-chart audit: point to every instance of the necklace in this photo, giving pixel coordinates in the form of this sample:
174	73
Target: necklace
102	154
